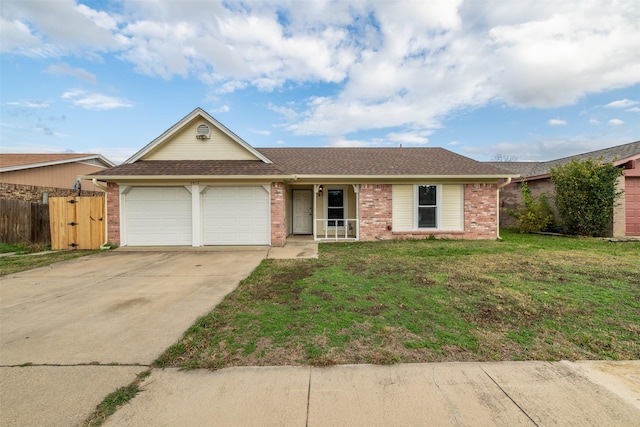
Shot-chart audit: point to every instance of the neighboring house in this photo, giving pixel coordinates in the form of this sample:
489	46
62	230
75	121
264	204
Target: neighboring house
200	184
626	221
50	170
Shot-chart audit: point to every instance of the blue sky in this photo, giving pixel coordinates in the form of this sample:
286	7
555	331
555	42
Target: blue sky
529	80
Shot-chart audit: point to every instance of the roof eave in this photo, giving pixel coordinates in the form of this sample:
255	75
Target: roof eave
108	164
186	177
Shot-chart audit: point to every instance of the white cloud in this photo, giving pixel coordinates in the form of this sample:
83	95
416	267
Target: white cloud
593	121
94	101
411	137
622	103
389	65
222	109
556	122
261	132
28	104
633	110
64	68
615	122
54	29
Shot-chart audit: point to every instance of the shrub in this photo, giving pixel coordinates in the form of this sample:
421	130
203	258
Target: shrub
534	215
585	195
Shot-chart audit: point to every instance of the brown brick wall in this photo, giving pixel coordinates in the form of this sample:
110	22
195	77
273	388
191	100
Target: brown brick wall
375	211
32	193
278	214
480	211
113	213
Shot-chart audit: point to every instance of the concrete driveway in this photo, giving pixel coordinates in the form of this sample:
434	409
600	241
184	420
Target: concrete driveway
116	308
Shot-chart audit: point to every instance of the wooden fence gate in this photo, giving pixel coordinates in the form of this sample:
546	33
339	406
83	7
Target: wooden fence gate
77	222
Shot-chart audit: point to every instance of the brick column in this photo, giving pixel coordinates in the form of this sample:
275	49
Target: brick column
480	211
278	218
113	213
375	211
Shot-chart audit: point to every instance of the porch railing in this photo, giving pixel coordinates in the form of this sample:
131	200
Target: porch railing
337	229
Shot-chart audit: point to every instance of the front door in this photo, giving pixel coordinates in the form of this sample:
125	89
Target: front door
302	211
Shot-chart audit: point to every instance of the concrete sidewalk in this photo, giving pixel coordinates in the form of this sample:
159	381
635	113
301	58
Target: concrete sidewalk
432	394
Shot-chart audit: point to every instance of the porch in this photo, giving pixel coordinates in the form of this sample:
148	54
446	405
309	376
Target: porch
323	212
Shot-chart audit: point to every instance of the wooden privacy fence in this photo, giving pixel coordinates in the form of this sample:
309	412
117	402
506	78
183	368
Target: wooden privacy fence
77	222
24	222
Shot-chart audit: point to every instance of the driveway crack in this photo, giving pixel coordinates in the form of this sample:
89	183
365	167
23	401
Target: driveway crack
510	398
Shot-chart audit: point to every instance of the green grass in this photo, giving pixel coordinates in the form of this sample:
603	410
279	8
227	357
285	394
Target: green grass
21	262
528	297
114	400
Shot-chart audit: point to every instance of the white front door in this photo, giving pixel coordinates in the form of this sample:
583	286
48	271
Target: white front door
302	211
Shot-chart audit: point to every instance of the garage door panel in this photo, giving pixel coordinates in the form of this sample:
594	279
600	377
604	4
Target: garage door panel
158	216
632	206
236	216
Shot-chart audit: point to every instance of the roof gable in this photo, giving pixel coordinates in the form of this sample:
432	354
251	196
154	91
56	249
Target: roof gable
180	143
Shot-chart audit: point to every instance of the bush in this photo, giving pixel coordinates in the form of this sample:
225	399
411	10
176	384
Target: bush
535	215
585	195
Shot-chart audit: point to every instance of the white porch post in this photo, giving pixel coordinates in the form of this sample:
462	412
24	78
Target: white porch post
196	218
356	190
315	225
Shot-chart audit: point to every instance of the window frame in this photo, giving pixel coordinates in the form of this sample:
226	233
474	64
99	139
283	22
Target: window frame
339	223
417	206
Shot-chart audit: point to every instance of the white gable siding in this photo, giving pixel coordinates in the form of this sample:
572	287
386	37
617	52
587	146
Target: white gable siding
451	207
403	207
184	146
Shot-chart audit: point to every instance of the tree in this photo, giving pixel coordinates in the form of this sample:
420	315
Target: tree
585	195
534	215
501	157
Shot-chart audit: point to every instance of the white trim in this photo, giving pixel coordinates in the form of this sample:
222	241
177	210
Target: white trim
198	112
416	207
345	203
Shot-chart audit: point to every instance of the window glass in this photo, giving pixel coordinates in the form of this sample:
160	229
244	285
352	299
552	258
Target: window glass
335	207
427	206
427	195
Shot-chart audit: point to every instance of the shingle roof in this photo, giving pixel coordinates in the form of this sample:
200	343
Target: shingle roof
355	162
431	161
618	154
192	168
32	160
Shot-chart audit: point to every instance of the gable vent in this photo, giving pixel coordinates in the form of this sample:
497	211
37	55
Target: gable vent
203	132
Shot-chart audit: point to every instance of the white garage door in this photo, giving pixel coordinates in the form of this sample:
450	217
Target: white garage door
158	216
236	216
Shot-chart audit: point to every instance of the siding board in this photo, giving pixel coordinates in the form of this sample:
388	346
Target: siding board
402	208
451	207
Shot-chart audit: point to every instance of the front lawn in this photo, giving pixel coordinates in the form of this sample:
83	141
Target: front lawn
527	297
23	261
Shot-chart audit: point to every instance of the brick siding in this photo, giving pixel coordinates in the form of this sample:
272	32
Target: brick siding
113	213
375	211
278	214
480	211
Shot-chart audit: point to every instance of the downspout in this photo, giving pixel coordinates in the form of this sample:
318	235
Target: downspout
105	245
500	186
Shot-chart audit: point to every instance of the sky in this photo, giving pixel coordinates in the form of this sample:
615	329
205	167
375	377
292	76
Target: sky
522	80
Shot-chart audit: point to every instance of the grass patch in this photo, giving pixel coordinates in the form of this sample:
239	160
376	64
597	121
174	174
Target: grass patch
115	400
527	297
21	262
